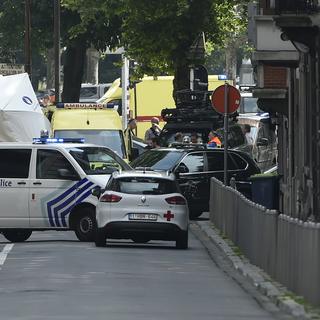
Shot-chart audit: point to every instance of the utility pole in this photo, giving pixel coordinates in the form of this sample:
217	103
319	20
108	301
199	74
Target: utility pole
27	45
56	14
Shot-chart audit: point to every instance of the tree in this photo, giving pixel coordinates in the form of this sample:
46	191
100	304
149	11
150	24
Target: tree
157	34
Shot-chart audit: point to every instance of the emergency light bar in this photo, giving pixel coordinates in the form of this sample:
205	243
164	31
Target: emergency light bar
61	105
222	77
57	140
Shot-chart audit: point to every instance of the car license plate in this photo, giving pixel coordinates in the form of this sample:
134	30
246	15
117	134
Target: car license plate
142	216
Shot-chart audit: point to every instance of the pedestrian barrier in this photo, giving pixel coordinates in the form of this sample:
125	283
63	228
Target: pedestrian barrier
286	248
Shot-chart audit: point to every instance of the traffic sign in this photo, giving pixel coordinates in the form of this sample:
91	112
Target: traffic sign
219	100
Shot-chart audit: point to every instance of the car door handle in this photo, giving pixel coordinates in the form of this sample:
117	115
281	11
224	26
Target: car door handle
21	183
37	183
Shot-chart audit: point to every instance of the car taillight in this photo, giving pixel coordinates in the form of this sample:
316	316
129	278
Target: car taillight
176	200
109	197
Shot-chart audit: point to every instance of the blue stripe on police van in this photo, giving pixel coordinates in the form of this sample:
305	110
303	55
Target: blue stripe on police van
60	197
66	212
68	201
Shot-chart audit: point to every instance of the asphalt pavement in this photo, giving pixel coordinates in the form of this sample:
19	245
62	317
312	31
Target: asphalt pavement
54	276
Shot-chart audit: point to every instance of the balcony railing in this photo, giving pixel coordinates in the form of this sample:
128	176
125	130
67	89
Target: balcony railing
297	6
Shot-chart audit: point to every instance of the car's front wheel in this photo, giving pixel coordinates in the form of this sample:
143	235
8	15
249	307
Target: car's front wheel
85	225
182	240
17	235
100	238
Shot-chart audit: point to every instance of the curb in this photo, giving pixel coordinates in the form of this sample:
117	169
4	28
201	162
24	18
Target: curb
257	277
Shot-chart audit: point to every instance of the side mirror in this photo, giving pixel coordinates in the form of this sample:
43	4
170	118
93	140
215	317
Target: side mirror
96	191
182	168
262	142
67	174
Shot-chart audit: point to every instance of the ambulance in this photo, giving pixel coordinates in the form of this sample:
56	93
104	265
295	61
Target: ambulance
46	185
149	97
93	122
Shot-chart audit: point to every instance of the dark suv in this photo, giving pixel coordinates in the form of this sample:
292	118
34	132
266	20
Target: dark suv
194	165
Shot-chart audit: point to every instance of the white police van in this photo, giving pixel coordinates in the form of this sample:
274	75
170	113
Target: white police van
47	186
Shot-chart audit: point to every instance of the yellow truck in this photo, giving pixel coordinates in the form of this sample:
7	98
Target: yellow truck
148	98
93	122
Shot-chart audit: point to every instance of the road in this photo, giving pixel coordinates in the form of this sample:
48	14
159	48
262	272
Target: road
53	276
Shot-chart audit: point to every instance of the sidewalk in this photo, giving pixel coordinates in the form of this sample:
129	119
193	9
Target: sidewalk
278	294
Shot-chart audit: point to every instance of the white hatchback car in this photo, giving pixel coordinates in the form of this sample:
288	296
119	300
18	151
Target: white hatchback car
142	206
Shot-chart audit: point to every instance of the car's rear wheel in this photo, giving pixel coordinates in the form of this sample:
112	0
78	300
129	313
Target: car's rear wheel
100	238
85	225
182	240
17	235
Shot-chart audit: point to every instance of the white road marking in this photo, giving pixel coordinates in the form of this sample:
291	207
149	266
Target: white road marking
3	254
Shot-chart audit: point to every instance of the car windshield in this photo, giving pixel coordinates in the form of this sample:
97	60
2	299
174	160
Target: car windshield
163	160
144	185
97	160
112	139
250	105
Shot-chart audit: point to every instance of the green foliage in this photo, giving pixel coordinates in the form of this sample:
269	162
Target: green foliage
157	34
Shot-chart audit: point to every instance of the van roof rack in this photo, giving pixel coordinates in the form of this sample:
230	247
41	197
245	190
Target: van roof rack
187	115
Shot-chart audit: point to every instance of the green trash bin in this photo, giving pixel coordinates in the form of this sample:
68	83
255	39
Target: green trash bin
265	190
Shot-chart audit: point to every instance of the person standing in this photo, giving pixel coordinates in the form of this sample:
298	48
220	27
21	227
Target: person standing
153	131
214	140
129	134
194	137
247	133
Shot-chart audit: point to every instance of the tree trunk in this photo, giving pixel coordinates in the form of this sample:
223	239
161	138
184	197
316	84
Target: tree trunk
73	70
181	79
231	62
50	68
92	70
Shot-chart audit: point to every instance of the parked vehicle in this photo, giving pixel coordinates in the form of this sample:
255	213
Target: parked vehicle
142	206
47	186
264	141
194	165
95	123
194	115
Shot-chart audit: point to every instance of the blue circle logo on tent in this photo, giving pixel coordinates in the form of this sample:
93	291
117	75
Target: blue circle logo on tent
27	100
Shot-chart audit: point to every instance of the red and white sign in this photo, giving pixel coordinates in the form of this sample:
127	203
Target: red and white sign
233	99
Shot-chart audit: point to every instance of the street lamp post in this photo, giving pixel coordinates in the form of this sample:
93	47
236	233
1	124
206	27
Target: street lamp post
57	49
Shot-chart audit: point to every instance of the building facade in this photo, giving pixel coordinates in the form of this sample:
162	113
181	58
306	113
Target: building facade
287	68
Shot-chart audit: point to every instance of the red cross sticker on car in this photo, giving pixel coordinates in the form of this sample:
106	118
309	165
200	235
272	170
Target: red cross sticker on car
168	215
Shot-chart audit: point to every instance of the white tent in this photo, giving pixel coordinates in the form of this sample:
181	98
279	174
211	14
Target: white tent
21	117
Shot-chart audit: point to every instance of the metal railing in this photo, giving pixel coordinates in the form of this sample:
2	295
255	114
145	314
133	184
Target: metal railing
297	6
286	248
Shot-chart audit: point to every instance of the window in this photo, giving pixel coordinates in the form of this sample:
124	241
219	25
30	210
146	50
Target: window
157	159
216	161
14	163
112	139
49	162
194	162
240	162
143	185
97	160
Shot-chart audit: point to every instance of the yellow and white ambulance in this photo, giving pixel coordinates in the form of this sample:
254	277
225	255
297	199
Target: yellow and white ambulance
93	122
149	97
